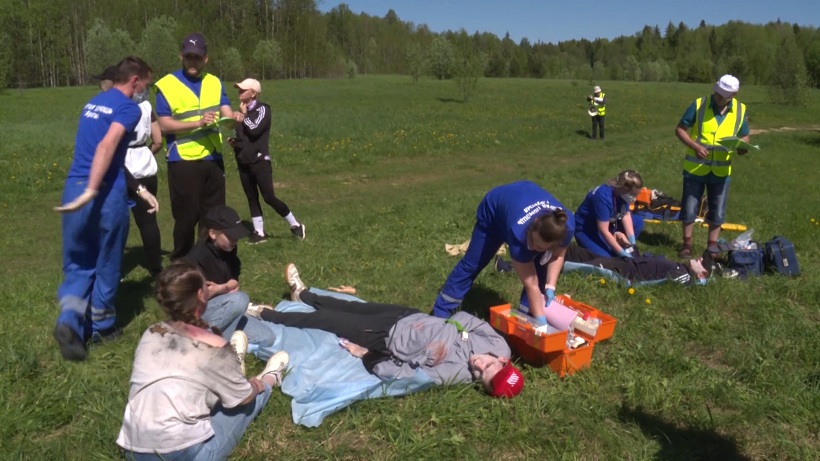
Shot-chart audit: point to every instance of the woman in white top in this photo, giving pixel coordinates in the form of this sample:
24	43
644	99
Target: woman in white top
189	398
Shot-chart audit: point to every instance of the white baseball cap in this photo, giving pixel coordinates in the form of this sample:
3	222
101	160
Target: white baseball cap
597	89
727	86
249	84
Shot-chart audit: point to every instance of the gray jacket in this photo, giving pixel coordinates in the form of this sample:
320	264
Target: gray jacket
421	341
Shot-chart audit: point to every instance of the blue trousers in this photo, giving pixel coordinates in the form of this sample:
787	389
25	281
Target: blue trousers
93	243
595	243
484	244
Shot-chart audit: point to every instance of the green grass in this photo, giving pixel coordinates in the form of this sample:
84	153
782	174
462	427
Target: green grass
385	173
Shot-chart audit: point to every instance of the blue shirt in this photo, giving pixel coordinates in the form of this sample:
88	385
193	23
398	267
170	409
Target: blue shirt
98	115
508	211
164	110
689	119
600	204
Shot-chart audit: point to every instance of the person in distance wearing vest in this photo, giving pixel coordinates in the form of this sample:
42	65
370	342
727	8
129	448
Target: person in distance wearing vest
708	164
597	110
188	103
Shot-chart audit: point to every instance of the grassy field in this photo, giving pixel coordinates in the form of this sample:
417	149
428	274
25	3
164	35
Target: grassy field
384	173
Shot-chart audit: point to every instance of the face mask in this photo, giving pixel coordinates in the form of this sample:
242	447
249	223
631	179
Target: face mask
140	97
629	198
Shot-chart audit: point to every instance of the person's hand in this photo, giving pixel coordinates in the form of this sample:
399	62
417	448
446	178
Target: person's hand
243	107
625	254
149	198
540	320
701	150
74	205
621	238
549	295
742	151
354	349
207	119
239	117
632	240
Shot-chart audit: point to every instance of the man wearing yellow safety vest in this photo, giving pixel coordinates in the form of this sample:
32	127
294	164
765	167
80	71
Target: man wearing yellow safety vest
708	164
597	110
189	100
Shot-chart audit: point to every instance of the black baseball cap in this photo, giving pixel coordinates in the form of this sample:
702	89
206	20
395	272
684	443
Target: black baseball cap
226	219
109	73
194	44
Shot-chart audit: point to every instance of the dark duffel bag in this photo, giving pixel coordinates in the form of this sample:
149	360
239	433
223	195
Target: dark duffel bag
779	256
747	262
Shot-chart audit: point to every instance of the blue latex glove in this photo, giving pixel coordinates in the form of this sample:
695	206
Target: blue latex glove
625	254
550	295
631	239
540	321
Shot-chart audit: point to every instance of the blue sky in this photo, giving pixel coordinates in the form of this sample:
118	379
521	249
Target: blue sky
554	21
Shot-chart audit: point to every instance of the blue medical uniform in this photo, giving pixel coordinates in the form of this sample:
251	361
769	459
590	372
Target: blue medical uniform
503	216
601	204
94	236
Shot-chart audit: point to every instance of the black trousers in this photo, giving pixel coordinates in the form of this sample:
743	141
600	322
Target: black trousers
195	187
366	324
258	177
147	225
597	120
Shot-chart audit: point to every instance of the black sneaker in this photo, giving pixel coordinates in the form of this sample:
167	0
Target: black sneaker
257	238
101	337
298	231
71	345
502	266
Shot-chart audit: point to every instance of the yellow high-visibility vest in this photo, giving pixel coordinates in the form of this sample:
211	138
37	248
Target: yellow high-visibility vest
706	132
601	107
186	107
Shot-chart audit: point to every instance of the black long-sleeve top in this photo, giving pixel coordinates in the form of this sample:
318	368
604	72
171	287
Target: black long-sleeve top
253	135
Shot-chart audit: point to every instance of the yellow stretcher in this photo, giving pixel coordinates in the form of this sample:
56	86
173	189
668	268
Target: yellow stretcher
644	200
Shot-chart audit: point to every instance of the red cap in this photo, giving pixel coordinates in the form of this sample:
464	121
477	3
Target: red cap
508	382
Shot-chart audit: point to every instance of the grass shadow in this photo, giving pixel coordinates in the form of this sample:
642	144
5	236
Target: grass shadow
479	300
583	133
657	239
682	443
130	299
445	100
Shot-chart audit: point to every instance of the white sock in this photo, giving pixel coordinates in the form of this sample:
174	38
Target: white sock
291	220
258	225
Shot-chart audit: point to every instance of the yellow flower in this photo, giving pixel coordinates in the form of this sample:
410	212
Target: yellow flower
632	291
603	282
648	301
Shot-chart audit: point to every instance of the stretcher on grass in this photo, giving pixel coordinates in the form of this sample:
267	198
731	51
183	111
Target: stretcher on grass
657	208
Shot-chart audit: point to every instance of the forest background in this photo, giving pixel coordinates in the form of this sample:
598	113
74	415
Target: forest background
66	42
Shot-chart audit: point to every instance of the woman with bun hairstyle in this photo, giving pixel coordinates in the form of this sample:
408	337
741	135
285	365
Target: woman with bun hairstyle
603	223
536	227
188	397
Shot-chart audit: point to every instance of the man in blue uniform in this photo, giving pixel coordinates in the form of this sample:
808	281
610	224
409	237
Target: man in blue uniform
95	212
536	227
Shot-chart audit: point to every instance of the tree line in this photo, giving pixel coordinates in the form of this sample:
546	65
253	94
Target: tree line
66	42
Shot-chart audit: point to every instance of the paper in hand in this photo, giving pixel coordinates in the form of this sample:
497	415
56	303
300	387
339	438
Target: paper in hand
735	143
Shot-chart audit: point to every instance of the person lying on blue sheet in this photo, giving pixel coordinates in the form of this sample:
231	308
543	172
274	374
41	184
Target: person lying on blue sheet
394	341
605	212
640	268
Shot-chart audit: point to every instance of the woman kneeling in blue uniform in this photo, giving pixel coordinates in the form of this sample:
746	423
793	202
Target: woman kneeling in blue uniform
537	229
604	214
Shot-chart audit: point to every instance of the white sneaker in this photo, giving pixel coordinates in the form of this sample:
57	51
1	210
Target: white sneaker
276	367
255	310
294	281
239	341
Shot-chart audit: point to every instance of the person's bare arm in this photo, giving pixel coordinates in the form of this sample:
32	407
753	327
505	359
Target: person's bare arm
170	126
526	273
682	132
156	135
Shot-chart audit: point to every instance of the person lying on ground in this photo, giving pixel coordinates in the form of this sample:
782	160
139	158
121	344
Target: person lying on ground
188	398
394	341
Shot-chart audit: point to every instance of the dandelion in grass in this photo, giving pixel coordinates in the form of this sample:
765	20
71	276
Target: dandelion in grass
602	281
631	291
648	301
